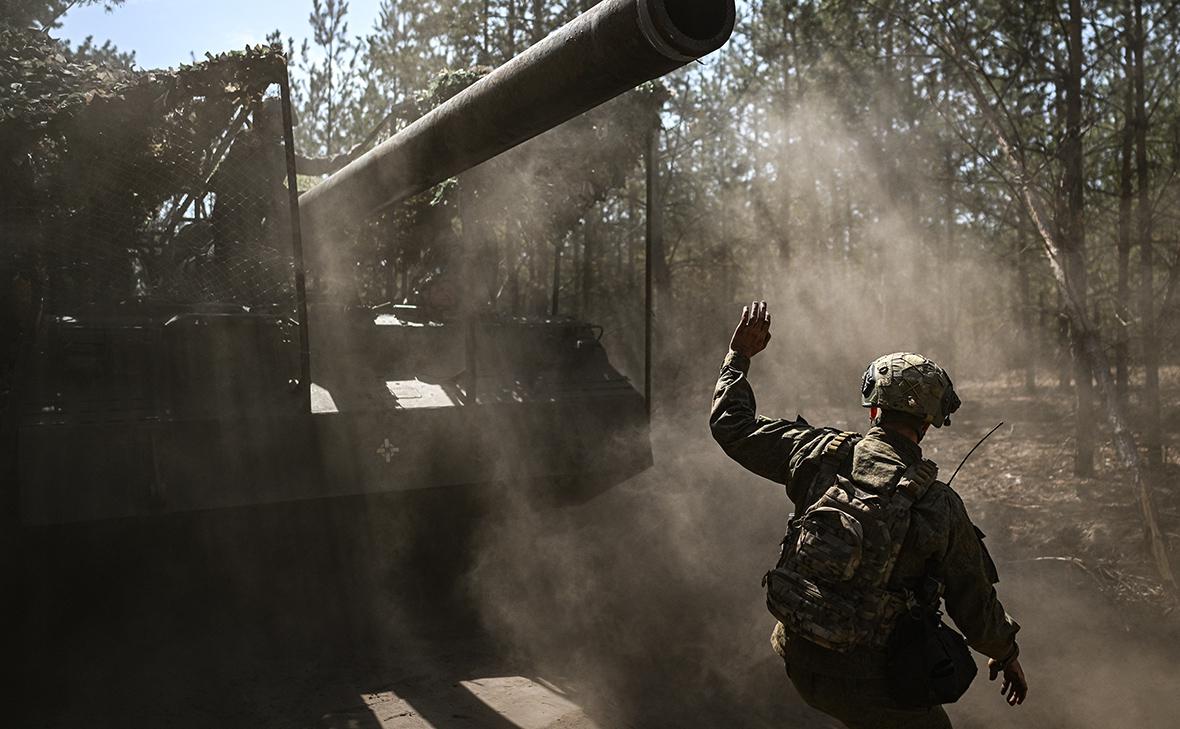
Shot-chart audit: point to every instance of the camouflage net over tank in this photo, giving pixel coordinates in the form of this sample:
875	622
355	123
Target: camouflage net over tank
159	187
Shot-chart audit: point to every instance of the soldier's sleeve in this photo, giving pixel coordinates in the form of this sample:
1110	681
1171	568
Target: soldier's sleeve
771	448
969	576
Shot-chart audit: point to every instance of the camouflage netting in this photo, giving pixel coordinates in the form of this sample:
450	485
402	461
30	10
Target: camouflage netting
157	187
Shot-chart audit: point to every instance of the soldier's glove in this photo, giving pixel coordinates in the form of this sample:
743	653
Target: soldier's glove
1015	686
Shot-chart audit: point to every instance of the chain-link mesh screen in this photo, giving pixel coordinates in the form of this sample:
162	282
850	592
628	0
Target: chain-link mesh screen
180	201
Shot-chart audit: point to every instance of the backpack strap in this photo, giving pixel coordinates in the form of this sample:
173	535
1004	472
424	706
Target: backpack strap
912	486
917	479
836	454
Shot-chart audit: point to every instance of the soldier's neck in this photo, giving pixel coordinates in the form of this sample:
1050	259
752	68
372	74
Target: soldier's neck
904	431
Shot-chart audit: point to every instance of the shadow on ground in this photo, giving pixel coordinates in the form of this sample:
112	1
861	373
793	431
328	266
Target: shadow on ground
640	608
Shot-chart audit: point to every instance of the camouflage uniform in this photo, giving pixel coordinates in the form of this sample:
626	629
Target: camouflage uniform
941	538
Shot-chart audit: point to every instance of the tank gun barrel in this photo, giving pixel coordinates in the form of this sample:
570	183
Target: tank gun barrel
609	49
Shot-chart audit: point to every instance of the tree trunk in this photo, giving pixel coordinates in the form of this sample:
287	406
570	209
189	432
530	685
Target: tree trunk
590	230
835	214
512	257
782	214
1126	201
555	296
578	245
632	266
1092	353
1151	365
1074	242
886	103
622	241
539	274
1064	369
1024	280
950	283
538	29
511	48
486	44
849	226
661	275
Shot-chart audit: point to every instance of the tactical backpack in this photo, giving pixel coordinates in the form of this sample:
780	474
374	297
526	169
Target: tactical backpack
830	585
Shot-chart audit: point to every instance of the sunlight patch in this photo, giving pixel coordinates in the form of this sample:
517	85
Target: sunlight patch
526	703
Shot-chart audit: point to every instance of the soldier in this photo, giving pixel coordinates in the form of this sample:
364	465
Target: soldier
906	393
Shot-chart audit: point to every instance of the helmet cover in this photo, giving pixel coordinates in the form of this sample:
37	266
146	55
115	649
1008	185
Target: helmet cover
910	383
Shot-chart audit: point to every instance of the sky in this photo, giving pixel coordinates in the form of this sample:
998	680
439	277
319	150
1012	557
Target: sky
165	32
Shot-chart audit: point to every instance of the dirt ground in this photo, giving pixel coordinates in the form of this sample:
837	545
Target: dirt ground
640	608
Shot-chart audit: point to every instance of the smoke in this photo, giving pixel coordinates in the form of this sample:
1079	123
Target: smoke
633	593
647	601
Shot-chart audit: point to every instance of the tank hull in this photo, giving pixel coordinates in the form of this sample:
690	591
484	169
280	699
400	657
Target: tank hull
144	469
399	406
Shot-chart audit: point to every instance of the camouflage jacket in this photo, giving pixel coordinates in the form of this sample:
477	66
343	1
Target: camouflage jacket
941	538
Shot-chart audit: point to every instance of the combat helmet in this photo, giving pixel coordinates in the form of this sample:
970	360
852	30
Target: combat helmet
912	384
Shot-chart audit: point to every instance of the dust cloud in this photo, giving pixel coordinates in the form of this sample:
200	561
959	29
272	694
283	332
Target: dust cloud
646	600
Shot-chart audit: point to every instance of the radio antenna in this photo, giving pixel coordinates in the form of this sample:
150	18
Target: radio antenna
981	440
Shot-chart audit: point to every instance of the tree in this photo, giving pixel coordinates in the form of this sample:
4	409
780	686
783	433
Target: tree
328	96
45	15
1143	219
1000	123
1073	237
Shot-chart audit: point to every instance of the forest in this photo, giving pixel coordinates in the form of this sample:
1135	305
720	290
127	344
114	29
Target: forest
993	184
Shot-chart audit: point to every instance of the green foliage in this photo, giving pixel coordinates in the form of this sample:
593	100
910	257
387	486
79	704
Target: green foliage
40	79
447	83
326	89
99	184
43	15
45	84
106	55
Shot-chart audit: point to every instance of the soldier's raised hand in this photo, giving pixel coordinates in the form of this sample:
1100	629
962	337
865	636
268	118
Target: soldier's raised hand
1015	686
753	331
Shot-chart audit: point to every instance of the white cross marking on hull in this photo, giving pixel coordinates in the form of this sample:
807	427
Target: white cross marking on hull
388	450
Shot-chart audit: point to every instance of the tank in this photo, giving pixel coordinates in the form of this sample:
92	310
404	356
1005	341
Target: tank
143	406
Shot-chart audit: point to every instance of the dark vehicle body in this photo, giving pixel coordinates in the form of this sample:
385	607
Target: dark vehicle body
139	407
143	412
